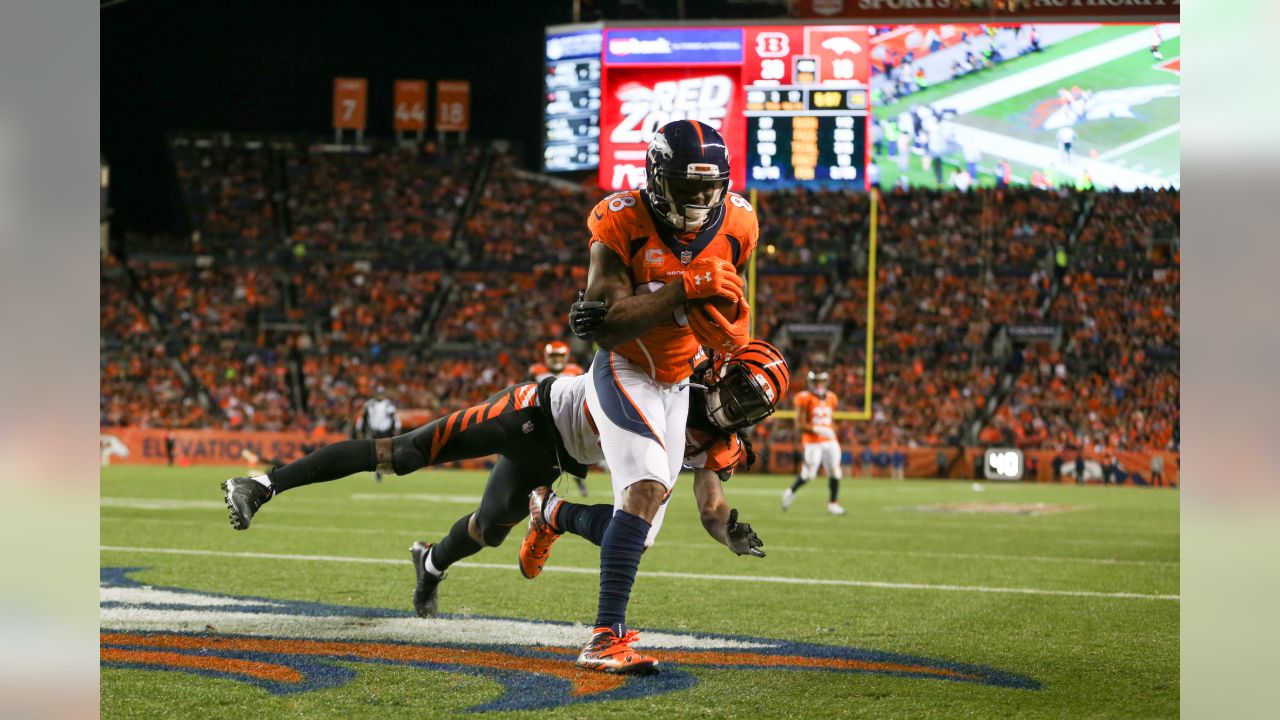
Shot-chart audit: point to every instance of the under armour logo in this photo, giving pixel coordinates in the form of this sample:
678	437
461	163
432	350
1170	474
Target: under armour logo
697	279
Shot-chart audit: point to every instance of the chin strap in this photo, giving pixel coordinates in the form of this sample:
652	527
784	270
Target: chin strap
746	446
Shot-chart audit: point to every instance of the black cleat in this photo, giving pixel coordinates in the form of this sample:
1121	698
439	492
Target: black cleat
424	593
244	496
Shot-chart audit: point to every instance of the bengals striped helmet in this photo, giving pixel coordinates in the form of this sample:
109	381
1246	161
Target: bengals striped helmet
749	384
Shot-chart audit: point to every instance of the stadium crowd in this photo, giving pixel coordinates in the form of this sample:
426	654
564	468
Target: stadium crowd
300	345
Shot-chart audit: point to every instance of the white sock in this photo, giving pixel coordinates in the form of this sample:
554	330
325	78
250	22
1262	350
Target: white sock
549	510
263	480
430	566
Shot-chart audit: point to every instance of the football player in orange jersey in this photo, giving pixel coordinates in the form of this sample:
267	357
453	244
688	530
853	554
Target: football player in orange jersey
655	254
814	408
556	355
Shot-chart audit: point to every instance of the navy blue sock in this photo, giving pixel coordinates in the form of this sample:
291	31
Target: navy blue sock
588	521
833	485
798	483
619	559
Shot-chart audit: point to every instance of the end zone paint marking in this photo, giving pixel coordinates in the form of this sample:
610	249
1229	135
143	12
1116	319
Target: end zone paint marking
664	574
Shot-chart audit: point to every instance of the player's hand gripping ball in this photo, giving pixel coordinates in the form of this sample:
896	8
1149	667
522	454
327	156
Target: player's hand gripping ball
710	277
723	324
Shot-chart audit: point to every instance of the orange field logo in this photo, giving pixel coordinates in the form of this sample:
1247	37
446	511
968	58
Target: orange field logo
288	647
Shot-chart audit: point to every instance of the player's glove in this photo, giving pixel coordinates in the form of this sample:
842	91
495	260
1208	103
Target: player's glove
712	329
586	316
742	539
711	276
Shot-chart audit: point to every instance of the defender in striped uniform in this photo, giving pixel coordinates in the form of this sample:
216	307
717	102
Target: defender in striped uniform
541	431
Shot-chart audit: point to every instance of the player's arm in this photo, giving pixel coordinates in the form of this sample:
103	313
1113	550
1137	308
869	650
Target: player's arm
803	416
629	315
364	413
721	522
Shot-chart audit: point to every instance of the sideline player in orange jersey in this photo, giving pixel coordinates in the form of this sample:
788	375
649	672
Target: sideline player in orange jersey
815	406
655	254
556	363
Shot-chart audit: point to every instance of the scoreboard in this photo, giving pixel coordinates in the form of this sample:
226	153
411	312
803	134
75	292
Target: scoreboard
571	118
791	101
798	134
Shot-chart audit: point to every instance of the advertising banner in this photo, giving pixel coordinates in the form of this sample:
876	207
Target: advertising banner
673	46
638	101
1008	10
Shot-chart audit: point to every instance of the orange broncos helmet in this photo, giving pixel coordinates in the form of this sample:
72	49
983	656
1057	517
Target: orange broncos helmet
748	385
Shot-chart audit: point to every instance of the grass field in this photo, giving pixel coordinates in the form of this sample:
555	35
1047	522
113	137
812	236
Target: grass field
1080	607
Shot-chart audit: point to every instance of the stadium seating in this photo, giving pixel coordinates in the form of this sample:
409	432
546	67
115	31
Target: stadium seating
375	294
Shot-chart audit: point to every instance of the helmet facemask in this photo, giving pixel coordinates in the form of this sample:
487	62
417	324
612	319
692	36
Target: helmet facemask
556	357
688	200
736	400
819	382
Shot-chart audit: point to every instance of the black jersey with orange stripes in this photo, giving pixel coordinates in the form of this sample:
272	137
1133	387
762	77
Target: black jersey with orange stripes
655	254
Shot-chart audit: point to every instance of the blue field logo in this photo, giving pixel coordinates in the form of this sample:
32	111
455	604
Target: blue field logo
288	647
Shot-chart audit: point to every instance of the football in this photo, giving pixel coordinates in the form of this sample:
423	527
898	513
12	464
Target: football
728	308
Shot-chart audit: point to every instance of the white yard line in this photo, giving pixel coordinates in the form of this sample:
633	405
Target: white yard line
509	567
967	101
993	144
1134	144
420	497
276	527
946	555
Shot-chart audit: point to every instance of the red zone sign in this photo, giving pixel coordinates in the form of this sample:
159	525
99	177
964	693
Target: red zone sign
287	647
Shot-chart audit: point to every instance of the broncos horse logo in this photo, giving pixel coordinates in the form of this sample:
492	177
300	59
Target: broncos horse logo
287	647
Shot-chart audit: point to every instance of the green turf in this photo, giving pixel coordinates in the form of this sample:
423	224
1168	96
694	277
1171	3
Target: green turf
1095	656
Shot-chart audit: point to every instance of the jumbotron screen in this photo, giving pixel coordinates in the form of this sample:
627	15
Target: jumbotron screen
924	105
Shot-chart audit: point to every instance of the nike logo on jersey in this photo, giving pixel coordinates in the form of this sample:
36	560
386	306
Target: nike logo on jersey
599	216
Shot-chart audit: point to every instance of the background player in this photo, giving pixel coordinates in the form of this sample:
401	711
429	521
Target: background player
556	363
814	409
378	420
556	357
653	254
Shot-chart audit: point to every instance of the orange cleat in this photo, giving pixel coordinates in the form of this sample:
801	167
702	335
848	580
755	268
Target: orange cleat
536	547
609	653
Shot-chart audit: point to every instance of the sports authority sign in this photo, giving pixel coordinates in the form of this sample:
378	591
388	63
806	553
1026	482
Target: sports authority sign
286	647
1007	10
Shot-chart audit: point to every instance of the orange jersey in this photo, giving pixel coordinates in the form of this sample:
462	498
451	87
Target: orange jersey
655	255
816	412
718	451
539	371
